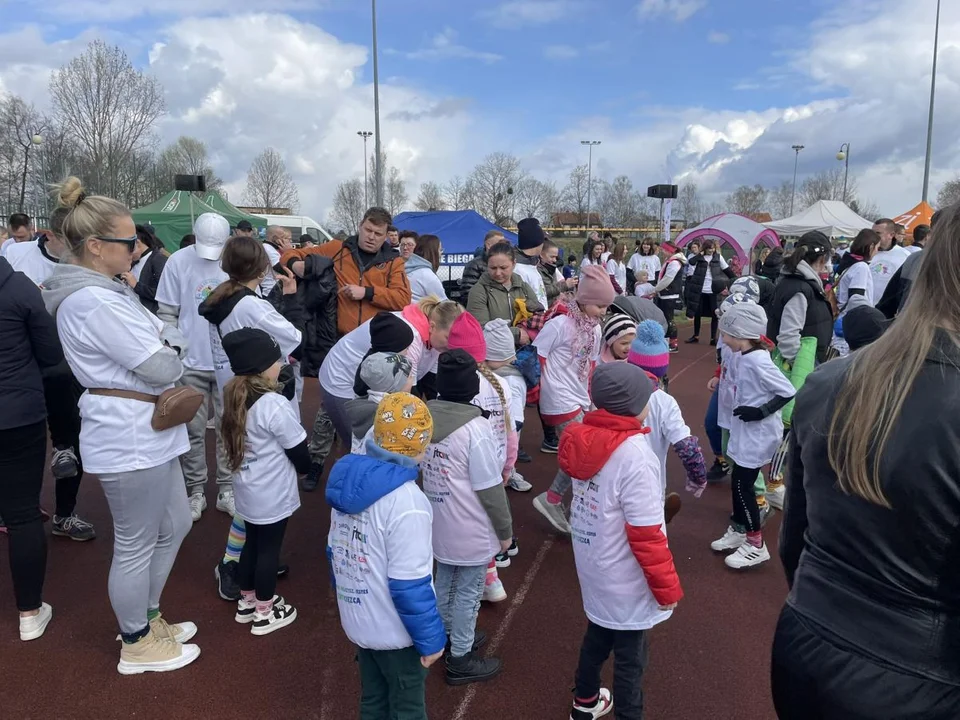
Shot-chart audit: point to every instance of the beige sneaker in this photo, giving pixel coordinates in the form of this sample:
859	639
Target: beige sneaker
154	654
181	632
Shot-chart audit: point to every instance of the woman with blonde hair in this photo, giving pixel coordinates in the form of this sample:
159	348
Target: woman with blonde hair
123	354
869	539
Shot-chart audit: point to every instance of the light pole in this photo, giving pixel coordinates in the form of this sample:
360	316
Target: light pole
589	144
365	134
376	109
793	195
844	155
933	91
37	140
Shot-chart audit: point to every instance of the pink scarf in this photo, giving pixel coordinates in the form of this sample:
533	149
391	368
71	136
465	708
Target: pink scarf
414	315
584	343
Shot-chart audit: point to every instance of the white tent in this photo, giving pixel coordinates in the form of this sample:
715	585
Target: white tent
831	217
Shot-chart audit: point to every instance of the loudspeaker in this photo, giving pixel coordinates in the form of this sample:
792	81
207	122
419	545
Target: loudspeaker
193	183
662	192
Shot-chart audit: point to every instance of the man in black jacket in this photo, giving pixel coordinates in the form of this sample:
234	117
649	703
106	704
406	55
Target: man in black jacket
478	266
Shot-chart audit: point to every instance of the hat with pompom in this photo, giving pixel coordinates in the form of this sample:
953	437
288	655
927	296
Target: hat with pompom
650	350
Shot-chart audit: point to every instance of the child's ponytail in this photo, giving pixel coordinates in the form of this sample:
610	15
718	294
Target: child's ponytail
494	380
238	396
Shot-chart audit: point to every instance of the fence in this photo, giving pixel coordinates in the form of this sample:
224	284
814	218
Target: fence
37	213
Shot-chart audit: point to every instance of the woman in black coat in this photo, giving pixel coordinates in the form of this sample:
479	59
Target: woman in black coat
710	276
870	541
149	257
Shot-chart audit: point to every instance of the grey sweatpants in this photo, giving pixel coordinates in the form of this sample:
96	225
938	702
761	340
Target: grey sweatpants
194	461
150	520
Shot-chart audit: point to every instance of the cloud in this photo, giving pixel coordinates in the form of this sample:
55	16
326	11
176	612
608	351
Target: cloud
561	52
448	107
678	10
116	11
444	45
521	13
718	38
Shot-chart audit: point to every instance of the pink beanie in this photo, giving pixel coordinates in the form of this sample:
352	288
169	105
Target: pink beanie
466	334
595	287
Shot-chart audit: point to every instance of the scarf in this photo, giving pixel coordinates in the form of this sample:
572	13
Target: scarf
584	341
414	315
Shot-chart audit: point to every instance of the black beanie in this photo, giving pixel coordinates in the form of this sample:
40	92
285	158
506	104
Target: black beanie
862	325
250	351
388	333
457	378
529	234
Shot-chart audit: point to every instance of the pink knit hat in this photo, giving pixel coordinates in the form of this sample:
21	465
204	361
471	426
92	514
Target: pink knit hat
595	287
466	334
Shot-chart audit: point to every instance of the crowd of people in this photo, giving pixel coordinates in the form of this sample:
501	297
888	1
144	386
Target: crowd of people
127	355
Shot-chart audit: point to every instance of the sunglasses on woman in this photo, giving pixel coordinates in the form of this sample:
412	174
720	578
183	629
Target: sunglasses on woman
130	242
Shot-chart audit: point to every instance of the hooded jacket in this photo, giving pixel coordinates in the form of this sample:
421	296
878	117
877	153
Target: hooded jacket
550	284
383	276
380	553
669	287
28	336
800	309
616	474
489	300
423	279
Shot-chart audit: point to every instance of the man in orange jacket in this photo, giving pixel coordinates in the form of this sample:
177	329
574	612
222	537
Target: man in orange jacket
369	271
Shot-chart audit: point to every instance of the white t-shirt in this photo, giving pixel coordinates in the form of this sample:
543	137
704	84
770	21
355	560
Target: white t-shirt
644	290
883	266
517	397
454	470
531	276
265	487
667	428
856	277
339	368
186	281
708	276
650	263
105	336
488	400
627	490
587	261
7	244
270	279
363	564
913	249
28	258
137	269
561	389
758	380
727	385
619	271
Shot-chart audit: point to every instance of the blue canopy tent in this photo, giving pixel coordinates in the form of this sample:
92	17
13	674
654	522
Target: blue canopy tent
460	231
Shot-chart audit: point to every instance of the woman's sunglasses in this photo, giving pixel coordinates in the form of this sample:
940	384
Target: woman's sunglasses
130	242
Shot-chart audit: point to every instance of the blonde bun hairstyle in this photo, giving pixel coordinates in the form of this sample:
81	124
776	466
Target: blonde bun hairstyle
88	216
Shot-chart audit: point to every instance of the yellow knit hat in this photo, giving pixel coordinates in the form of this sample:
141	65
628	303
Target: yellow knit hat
402	424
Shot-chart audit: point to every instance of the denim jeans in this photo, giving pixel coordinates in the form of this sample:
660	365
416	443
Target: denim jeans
459	591
562	481
714	433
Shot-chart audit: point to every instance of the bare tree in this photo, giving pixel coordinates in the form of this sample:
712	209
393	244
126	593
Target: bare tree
187	156
430	197
458	194
490	181
688	206
269	185
949	193
395	196
866	209
825	185
535	198
747	200
348	206
19	122
574	195
780	200
619	204
108	109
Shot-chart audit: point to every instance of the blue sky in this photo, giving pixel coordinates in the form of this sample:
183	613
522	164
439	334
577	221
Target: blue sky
706	91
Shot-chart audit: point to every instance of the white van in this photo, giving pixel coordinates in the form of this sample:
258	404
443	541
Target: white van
298	225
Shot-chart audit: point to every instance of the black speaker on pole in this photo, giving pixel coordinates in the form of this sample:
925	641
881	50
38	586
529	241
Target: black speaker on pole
662	192
191	183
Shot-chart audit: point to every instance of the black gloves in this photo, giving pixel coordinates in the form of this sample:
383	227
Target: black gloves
749	414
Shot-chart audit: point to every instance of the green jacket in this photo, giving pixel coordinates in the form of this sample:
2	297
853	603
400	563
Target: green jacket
549	283
489	300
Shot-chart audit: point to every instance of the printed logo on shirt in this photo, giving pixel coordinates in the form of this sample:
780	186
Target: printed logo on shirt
204	289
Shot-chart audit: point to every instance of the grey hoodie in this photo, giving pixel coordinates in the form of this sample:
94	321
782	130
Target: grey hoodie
794	315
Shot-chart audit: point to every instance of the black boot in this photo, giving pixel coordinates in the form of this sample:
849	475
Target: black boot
227	586
312	478
471	668
479	640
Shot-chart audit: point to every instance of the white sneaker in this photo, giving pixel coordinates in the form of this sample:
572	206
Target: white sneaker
279	617
225	503
517	483
776	495
33	626
747	556
197	503
731	540
603	707
494	592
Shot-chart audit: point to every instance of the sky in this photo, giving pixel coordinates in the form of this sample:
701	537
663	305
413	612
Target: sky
708	91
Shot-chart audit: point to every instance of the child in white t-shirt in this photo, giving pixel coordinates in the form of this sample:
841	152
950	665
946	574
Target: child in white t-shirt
266	447
644	288
569	346
462	478
383	374
756	430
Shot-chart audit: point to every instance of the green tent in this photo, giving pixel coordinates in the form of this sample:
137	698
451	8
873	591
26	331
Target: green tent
231	212
172	216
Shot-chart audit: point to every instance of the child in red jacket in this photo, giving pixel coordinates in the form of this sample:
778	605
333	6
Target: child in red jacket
627	577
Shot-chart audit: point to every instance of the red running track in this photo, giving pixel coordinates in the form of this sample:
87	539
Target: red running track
709	662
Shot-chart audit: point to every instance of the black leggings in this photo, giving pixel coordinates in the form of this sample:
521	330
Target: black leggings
708	307
62	394
23	451
745	510
260	559
669	310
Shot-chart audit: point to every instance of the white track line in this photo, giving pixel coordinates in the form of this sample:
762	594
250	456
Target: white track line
695	362
501	633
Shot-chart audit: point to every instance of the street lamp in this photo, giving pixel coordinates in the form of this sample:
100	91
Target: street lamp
589	144
376	107
843	155
933	91
793	195
37	140
365	134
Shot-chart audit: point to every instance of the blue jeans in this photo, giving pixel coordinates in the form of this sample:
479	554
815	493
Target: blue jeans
714	434
459	590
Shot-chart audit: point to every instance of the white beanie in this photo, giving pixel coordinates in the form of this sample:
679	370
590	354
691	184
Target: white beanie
499	339
745	321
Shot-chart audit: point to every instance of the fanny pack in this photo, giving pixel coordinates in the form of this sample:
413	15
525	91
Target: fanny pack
176	406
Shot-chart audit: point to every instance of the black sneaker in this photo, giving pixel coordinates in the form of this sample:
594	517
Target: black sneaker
718	471
279	617
282	570
471	668
64	463
311	480
523	456
713	342
692	341
502	559
514	549
550	447
227	586
479	640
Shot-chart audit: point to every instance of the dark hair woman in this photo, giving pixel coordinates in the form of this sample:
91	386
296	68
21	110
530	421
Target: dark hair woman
422	269
498	290
709	278
149	257
869	534
855	279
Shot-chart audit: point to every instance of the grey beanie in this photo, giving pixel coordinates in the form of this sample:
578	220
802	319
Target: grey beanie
745	321
385	372
499	339
621	389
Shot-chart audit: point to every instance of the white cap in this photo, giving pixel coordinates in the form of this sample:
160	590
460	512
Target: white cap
212	232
